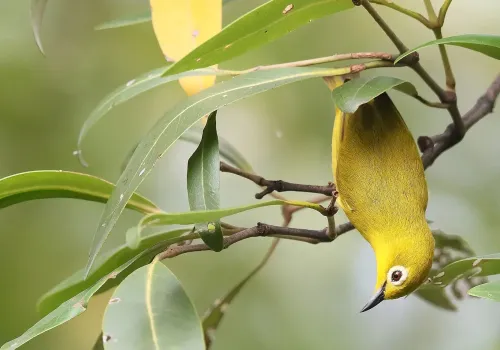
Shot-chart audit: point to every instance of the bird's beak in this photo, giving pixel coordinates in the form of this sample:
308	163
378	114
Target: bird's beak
376	299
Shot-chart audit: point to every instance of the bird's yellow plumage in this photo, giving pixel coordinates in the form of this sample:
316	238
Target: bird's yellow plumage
382	189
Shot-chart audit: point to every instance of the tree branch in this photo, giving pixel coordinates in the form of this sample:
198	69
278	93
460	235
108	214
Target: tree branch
433	147
261	230
277	185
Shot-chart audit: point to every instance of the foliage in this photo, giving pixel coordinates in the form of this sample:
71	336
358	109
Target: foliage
148	297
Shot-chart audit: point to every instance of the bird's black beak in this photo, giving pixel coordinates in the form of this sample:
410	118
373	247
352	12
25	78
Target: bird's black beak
376	299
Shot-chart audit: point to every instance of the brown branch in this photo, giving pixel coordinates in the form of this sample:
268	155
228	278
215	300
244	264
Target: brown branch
277	185
433	147
261	230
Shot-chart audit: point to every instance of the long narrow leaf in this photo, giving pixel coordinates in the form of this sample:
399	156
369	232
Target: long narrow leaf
42	184
71	308
182	117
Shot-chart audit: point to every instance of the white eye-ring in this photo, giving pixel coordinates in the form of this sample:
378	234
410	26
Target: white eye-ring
397	275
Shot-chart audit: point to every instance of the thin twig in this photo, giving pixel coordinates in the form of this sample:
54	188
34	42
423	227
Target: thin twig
447	97
388	31
327	59
276	185
442	12
405	11
433	147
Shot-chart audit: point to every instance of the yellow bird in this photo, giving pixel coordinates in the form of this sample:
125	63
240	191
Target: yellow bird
382	189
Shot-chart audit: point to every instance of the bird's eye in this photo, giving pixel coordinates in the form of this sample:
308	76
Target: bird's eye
397	275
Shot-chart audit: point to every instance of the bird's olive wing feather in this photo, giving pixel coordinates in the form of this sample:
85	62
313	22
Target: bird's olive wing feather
379	174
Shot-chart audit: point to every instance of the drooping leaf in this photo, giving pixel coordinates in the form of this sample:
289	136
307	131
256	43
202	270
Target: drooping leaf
105	265
449	248
125	22
488	290
203	183
483	43
352	94
264	24
134	87
70	308
37	12
214	315
181	26
42	184
151	310
183	116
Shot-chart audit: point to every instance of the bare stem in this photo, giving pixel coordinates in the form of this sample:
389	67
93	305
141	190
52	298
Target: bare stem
276	185
442	12
404	11
433	147
388	31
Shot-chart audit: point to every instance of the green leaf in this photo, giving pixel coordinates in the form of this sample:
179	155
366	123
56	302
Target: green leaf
63	184
193	217
132	88
227	151
105	265
203	183
349	96
264	24
151	310
485	44
37	12
182	117
70	308
125	22
449	248
487	265
488	290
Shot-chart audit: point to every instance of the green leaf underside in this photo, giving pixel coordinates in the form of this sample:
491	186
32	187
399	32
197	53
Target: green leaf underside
131	89
68	309
151	310
349	96
260	26
37	12
203	183
488	45
488	291
452	245
44	184
182	117
105	265
132	20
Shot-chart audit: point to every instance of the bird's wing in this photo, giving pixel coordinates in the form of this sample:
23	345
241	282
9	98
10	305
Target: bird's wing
379	173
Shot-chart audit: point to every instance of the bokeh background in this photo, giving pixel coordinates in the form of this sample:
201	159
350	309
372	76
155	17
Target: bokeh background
308	297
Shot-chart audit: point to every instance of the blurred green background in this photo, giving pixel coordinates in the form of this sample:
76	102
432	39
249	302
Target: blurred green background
308	297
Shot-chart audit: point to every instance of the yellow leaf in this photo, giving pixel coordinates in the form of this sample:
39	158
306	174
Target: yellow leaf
182	25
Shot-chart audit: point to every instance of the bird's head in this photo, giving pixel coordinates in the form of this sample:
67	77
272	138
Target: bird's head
402	265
